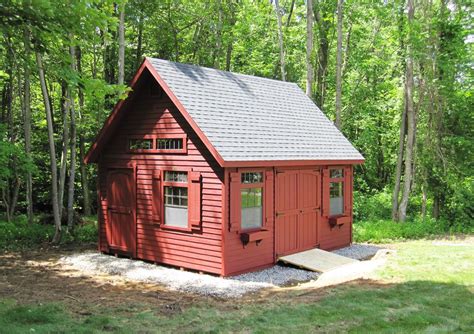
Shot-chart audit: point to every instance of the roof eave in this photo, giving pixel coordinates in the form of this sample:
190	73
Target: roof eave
287	163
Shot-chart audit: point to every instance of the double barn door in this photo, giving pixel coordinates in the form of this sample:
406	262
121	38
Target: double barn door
297	204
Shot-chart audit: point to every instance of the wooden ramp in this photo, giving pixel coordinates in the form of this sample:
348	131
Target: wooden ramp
317	260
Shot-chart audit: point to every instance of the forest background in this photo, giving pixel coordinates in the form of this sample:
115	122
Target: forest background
396	77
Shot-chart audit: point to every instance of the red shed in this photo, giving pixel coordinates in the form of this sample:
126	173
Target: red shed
220	172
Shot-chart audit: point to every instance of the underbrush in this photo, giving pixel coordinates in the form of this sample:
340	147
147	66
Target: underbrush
384	230
20	234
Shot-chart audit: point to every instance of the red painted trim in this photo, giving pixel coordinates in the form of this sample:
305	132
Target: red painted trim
184	112
225	221
277	163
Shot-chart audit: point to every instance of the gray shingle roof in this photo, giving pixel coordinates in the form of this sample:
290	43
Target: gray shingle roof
248	118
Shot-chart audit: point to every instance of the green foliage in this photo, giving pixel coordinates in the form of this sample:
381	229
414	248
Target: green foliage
20	234
12	152
384	231
242	36
87	232
372	206
460	206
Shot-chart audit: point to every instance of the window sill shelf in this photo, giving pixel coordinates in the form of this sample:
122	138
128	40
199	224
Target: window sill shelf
339	220
256	236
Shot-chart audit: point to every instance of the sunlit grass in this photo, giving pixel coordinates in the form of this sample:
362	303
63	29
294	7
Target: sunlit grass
426	286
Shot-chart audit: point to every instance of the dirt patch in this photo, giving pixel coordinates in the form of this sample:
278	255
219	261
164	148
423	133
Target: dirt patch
34	277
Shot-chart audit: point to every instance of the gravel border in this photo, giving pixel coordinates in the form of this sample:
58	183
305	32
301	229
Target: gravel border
186	281
93	263
358	251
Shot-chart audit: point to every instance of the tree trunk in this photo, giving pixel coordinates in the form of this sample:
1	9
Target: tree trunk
138	54
217	50
280	41
27	124
340	4
290	13
121	53
52	150
72	169
86	205
230	43
398	171
403	120
7	104
424	199
411	127
323	54
309	48
65	144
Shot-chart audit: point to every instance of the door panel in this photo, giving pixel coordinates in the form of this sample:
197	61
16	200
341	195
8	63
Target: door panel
287	233
286	204
297	204
121	231
308	190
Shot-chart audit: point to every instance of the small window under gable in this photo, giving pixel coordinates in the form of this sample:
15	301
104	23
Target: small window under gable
169	143
140	144
166	144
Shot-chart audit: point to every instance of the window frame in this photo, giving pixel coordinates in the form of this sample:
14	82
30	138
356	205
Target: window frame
345	196
252	186
154	138
164	184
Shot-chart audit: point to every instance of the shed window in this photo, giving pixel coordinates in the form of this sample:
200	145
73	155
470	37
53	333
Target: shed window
252	178
169	144
251	200
173	176
140	144
336	192
174	144
176	199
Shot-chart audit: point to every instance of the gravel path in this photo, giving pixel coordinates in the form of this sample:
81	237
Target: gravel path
358	251
185	281
95	263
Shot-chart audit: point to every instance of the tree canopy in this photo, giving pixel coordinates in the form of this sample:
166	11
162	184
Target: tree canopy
404	96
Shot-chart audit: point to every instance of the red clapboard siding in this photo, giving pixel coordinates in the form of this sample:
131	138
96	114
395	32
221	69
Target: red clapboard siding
240	258
200	249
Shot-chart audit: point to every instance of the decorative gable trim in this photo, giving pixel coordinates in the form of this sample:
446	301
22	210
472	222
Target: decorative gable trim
117	113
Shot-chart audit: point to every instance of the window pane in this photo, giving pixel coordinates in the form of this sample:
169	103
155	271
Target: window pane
176	206
336	198
252	178
176	216
172	176
140	144
252	209
169	143
335	173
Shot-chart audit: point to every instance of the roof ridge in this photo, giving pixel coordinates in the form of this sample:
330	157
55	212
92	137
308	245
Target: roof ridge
223	71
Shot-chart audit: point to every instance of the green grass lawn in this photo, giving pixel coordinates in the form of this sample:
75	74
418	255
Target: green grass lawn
426	287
